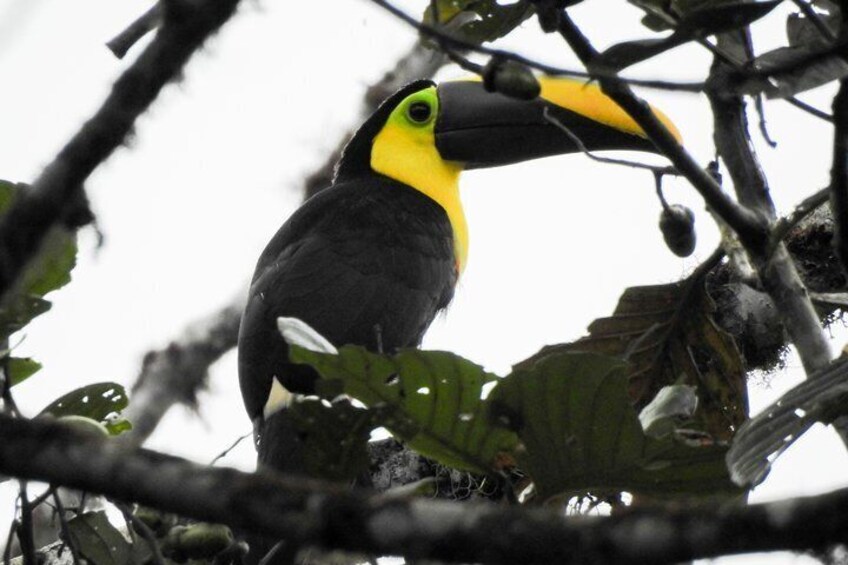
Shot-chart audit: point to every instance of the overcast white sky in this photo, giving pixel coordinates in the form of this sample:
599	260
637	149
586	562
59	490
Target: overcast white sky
215	167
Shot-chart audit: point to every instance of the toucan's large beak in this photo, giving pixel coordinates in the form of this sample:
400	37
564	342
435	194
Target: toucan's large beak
486	129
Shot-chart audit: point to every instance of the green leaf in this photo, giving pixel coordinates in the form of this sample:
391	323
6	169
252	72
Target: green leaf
101	402
668	335
483	20
335	437
49	270
98	540
201	540
430	399
20	369
580	433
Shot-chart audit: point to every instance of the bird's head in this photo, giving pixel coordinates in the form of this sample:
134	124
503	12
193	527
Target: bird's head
425	135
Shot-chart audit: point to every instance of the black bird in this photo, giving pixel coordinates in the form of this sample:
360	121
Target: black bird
372	259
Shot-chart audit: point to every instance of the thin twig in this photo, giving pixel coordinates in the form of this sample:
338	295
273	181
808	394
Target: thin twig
137	524
445	39
10	538
26	530
811	14
807	206
63	524
144	24
663	170
233	446
812	110
748	225
761	112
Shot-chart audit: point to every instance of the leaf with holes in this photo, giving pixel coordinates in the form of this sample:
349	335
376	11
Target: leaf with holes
49	270
98	541
101	402
483	20
334	437
430	399
581	435
669	336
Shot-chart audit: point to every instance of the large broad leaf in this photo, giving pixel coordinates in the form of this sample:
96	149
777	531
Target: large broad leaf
49	270
101	402
668	335
98	541
581	434
791	70
430	399
488	21
821	398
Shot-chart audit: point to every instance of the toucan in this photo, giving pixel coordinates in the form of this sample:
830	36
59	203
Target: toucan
372	259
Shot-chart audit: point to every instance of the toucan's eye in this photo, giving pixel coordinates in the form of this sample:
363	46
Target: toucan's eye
419	112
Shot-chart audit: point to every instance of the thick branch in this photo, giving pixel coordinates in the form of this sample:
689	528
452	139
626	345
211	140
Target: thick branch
839	174
56	195
776	269
311	513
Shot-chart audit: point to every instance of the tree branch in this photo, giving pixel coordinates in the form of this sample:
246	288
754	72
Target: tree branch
56	197
776	269
448	42
144	24
839	174
751	227
310	513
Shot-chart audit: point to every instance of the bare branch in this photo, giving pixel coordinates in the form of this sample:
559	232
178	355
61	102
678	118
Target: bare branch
449	42
812	110
310	513
776	269
839	174
784	225
144	24
56	197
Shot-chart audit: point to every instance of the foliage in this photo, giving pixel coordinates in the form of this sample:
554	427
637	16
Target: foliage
668	335
98	541
432	400
99	402
49	270
479	20
564	419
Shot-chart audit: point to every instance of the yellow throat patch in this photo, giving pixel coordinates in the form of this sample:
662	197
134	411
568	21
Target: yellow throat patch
405	150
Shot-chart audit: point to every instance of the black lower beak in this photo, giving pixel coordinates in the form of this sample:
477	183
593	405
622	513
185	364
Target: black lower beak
486	129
